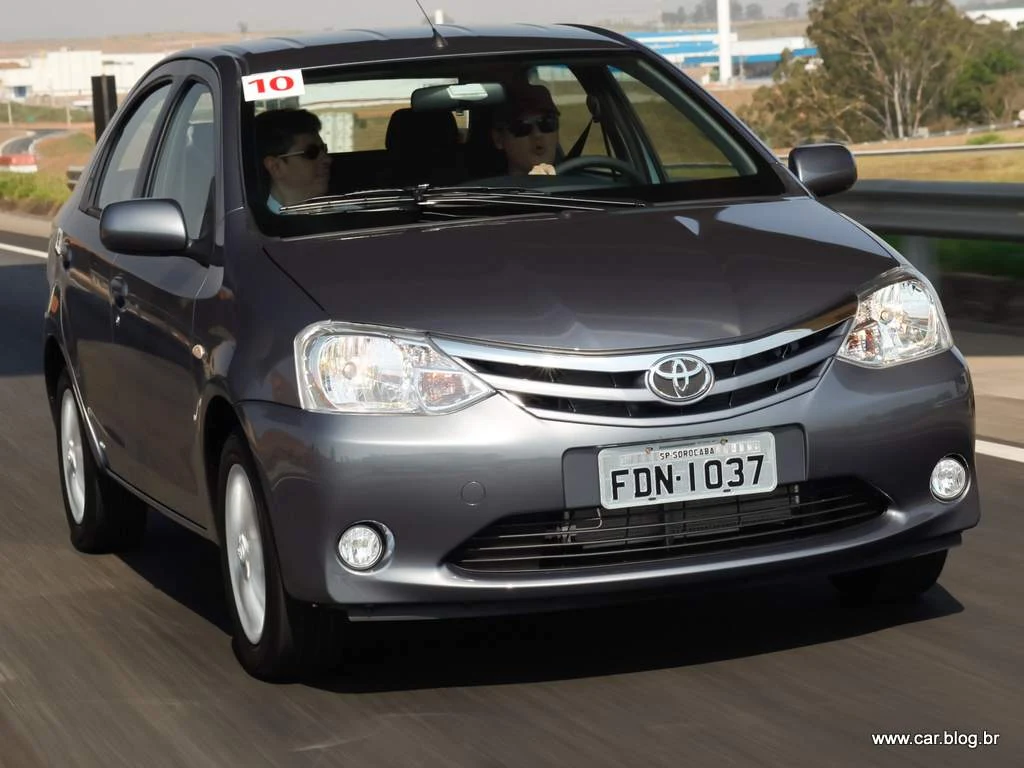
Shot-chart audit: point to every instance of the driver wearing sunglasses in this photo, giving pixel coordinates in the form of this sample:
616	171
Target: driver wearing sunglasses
294	158
526	130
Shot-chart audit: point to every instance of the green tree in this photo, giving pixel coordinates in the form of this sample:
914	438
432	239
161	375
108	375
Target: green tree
886	68
707	11
990	85
791	11
898	58
676	17
804	106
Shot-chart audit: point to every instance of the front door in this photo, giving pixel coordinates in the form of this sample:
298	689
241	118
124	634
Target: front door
154	301
87	302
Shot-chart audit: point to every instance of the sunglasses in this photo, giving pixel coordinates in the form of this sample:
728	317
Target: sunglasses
522	128
312	152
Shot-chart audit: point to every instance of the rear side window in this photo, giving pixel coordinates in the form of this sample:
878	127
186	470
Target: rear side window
123	168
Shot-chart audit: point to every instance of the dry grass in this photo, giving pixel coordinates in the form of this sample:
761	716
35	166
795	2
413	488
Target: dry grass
758	30
1004	166
734	97
1012	136
10	133
55	155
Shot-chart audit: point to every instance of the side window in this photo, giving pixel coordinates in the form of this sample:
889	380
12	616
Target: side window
186	160
123	167
575	118
685	151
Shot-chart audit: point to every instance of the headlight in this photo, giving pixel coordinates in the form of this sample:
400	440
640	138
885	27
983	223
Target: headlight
897	324
342	369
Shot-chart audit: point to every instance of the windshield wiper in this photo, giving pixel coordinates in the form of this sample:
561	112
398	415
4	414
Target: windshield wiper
425	197
375	199
525	197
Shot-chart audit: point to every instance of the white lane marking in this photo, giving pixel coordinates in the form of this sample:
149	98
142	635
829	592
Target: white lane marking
22	251
1000	450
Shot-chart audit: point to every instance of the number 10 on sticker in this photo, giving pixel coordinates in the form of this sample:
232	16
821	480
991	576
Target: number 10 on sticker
273	85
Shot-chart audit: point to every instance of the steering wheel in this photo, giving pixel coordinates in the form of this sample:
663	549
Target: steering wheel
578	164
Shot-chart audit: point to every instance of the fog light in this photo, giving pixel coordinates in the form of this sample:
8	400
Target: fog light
361	547
949	479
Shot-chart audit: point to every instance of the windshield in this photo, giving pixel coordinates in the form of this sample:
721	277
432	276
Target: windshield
593	126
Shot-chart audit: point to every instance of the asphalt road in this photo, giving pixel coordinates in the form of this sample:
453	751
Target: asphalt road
110	661
22	145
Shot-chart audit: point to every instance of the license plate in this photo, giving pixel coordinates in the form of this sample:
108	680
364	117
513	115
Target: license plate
704	468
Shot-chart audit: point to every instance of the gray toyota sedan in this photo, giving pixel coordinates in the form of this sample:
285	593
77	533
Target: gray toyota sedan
426	323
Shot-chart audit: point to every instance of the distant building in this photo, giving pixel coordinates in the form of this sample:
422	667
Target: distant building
699	50
66	75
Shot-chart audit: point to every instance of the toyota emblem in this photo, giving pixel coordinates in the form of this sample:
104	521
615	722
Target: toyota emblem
680	379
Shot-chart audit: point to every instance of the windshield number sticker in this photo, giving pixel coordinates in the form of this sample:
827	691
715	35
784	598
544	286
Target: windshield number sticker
273	85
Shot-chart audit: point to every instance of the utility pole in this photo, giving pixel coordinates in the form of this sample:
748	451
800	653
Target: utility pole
724	42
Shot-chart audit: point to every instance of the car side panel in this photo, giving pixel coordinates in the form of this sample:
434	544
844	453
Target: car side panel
83	281
157	373
246	317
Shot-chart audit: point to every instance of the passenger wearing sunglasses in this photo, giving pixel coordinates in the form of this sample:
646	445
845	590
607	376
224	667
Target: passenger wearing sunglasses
526	130
295	162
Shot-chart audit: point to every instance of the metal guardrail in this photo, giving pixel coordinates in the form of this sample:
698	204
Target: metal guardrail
938	150
938	209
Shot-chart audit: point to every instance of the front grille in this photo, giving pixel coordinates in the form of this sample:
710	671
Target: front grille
595	537
612	389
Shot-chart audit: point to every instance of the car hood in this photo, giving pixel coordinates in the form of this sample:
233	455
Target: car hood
623	280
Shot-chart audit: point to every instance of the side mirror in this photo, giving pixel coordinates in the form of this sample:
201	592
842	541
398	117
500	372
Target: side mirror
144	227
825	169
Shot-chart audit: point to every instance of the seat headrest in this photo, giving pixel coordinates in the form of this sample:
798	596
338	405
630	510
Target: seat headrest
409	130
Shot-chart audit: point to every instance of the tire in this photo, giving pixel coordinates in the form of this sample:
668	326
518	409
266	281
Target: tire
102	515
275	638
902	581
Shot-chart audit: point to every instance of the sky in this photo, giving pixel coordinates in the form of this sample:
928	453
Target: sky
74	18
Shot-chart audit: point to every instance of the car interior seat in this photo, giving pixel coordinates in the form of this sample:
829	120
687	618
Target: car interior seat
423	148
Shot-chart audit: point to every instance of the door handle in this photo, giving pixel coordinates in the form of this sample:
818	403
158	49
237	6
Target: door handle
62	249
119	292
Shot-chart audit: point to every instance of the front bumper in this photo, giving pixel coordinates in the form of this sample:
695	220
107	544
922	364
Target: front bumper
423	477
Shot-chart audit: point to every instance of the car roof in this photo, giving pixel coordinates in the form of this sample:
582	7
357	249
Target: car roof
361	46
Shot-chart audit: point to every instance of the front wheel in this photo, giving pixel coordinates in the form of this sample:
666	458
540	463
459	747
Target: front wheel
901	581
274	637
102	515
